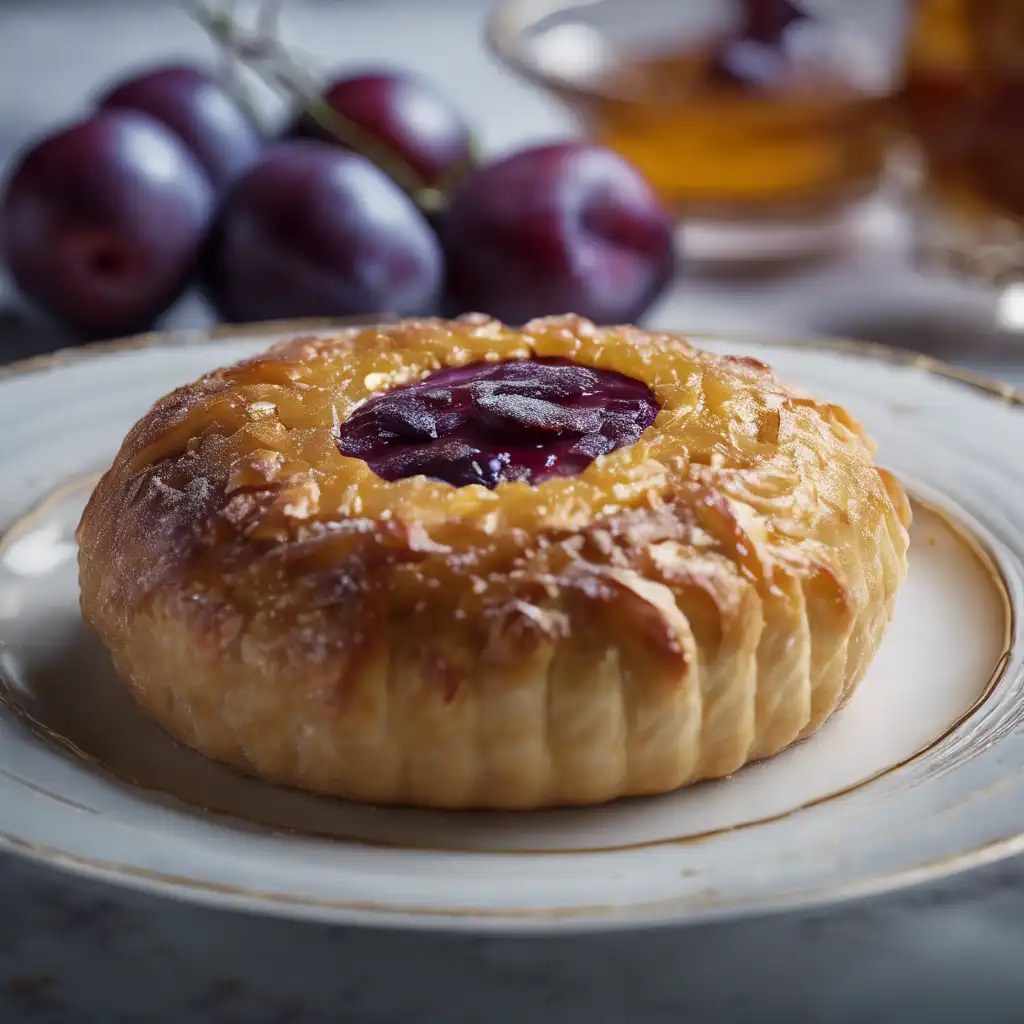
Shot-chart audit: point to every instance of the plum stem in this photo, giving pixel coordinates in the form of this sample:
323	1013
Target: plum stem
263	52
232	76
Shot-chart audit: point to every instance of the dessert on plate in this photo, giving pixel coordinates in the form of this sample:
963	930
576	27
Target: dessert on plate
457	564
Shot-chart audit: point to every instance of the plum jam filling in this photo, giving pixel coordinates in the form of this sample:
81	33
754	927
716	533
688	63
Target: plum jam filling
524	420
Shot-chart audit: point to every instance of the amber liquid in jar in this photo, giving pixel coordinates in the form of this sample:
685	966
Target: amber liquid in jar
798	136
963	102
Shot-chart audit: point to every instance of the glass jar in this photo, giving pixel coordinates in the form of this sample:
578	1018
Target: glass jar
962	103
744	114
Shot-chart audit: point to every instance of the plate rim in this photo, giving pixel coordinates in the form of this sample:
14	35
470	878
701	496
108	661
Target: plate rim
592	919
658	914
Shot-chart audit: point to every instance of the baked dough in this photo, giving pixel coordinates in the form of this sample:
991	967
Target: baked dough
686	604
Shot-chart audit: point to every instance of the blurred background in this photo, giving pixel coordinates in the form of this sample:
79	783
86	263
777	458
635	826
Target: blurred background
825	168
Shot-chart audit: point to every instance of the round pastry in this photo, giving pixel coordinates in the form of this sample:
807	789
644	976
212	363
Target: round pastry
454	564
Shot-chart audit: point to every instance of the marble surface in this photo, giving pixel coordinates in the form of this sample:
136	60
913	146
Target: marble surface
79	951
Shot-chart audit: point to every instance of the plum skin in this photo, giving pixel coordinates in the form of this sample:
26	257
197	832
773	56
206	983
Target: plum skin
405	114
199	110
567	227
314	230
104	222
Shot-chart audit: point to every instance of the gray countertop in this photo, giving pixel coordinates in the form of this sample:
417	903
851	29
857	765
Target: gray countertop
80	951
72	950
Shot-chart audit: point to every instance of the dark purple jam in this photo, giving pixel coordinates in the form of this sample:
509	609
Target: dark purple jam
480	424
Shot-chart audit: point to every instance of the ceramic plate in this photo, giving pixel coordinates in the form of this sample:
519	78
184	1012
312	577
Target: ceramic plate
919	776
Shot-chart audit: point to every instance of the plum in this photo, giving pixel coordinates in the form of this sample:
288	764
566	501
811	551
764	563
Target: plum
105	220
200	111
405	114
567	227
314	230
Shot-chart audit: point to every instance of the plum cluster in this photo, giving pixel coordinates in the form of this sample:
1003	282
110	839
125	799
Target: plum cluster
168	181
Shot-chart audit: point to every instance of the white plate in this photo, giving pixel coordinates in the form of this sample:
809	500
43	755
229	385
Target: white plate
919	776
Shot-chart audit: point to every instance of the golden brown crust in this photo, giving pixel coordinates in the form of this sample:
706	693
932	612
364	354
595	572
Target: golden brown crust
696	600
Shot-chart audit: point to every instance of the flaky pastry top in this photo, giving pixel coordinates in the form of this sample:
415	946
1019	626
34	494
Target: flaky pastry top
232	492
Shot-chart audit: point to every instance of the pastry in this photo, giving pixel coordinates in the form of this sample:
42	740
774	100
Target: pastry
455	564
